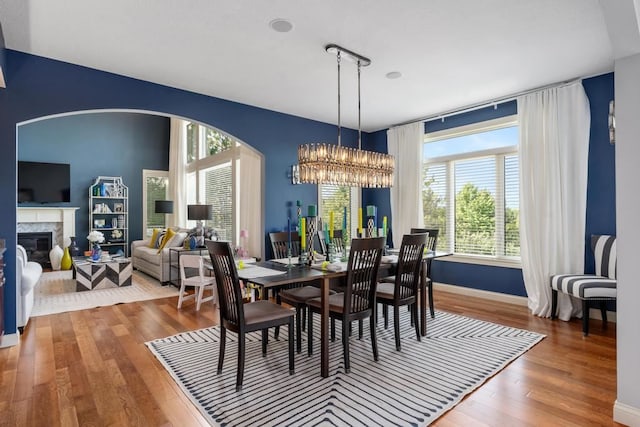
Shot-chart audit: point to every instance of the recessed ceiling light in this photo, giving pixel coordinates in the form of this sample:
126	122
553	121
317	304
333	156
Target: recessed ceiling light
281	25
394	75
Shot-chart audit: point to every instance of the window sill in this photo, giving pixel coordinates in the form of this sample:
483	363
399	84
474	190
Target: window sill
494	262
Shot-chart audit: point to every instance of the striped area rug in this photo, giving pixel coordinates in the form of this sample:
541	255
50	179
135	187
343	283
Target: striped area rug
412	387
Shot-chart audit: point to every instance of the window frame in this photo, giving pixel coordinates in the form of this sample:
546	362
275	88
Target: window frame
355	196
499	155
146	174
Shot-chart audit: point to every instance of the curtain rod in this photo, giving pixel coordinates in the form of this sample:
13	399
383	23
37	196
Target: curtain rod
484	104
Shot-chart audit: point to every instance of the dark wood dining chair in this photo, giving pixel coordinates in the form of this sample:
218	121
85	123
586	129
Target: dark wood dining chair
243	318
295	295
404	291
359	298
432	240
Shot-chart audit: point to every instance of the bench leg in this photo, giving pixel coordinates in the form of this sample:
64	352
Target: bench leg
603	311
554	303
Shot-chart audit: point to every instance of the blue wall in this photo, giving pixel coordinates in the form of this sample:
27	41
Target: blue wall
111	144
41	87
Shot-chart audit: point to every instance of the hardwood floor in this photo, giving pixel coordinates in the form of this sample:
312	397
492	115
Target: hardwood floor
91	368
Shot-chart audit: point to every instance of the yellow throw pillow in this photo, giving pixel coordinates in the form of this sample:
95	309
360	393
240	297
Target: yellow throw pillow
154	237
167	236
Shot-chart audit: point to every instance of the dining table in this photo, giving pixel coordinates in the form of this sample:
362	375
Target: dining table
275	274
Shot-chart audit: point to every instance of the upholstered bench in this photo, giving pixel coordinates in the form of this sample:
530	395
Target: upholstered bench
600	286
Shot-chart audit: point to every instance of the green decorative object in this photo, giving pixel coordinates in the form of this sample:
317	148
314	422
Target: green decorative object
65	263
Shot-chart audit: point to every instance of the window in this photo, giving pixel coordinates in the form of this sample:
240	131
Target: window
154	187
211	159
470	189
335	198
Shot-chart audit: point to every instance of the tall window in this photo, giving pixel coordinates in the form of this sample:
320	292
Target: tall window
334	198
470	188
154	187
211	159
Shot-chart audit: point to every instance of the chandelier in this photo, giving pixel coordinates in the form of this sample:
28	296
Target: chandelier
326	163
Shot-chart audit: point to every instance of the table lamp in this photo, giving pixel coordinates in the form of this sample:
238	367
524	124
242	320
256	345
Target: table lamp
199	213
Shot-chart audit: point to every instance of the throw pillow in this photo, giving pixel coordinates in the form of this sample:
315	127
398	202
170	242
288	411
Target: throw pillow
176	240
159	239
168	235
154	238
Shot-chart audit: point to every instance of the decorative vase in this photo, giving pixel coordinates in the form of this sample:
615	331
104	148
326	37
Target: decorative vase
74	250
55	256
96	252
65	262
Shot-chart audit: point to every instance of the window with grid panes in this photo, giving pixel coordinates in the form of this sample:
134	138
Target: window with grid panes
335	198
470	188
210	155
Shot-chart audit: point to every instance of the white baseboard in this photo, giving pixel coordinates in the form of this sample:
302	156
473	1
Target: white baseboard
493	296
511	299
625	414
9	340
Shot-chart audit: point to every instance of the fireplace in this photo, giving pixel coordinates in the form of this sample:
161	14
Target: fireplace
37	245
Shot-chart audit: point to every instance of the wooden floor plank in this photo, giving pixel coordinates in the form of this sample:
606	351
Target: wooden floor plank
92	367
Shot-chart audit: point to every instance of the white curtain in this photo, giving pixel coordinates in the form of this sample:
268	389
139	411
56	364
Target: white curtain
250	201
177	178
405	143
554	145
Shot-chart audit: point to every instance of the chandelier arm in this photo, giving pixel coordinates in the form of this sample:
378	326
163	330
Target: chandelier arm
339	124
359	122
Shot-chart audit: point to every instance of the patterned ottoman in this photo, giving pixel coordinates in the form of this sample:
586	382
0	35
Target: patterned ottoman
102	275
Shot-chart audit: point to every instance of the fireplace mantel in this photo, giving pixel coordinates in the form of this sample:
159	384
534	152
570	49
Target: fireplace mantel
66	216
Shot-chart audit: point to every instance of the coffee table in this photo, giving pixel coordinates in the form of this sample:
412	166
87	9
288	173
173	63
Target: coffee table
92	275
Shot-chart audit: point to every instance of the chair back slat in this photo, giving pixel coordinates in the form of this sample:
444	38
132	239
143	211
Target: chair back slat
408	269
228	284
362	274
280	244
191	261
605	254
432	239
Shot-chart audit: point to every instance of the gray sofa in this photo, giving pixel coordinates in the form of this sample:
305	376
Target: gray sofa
152	262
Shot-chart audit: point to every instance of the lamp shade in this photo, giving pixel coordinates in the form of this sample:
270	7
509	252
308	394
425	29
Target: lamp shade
199	212
164	206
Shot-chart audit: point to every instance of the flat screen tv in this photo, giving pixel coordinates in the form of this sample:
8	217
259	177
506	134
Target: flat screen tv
43	182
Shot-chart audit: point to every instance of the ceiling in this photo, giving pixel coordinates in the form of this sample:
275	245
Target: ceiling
451	54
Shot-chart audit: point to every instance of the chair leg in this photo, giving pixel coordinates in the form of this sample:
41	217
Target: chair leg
199	298
181	295
430	293
276	334
374	338
585	317
603	312
299	322
333	329
304	318
265	341
396	326
554	303
223	342
414	313
241	349
310	333
360	329
345	345
385	313
291	355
